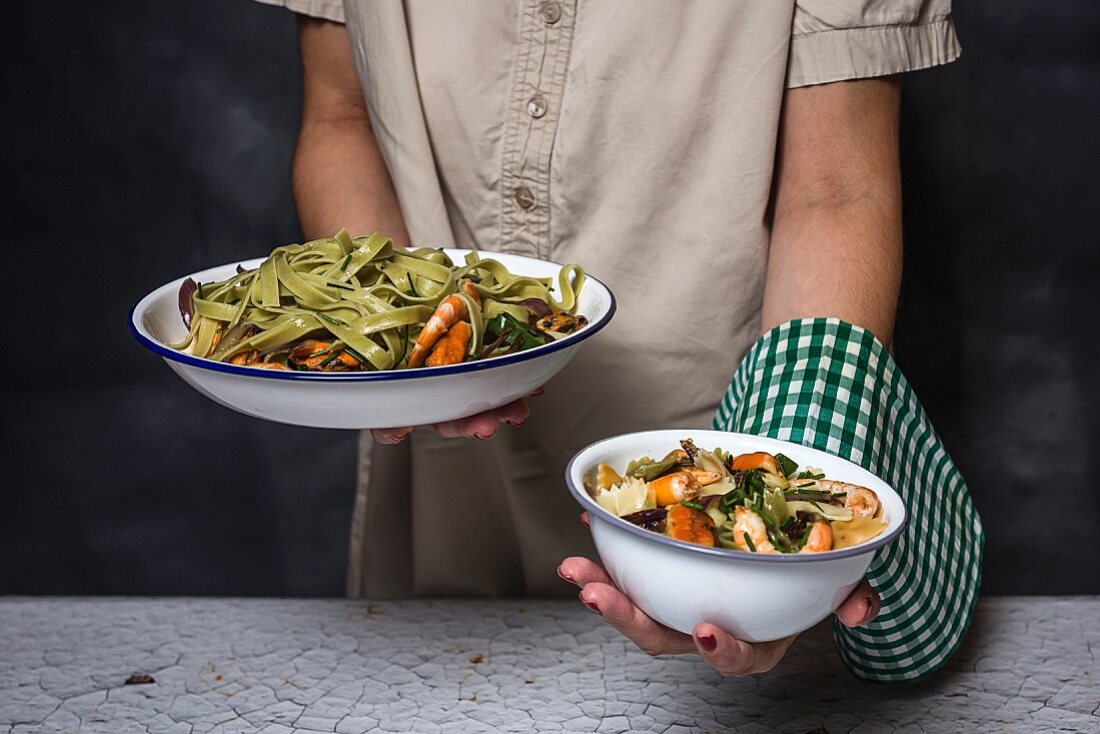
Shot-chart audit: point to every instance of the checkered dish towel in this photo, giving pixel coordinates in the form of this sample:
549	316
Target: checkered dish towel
830	385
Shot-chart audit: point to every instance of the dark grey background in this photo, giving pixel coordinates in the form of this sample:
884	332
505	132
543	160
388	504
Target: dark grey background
144	140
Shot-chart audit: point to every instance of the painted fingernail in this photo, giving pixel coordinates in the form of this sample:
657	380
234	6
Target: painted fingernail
592	605
564	575
515	424
707	642
868	606
484	438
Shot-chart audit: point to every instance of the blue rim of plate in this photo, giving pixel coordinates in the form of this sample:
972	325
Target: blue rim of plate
582	498
408	374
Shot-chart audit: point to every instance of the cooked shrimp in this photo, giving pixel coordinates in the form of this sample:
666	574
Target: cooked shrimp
450	311
685	523
759	460
748	523
860	500
675	487
705	478
820	539
451	349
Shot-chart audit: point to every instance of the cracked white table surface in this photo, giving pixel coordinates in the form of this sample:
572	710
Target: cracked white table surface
275	666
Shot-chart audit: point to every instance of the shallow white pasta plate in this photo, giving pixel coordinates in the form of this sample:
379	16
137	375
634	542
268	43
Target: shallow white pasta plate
368	399
755	597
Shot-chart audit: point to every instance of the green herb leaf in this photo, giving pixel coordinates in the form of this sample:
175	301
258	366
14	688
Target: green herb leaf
522	336
404	347
361	359
328	359
693	505
773	508
748	542
323	351
805	536
649	472
731	498
787	466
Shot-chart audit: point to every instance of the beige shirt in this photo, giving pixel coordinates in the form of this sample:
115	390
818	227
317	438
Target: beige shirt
635	138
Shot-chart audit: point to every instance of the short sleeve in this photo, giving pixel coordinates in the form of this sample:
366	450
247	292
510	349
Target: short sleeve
328	9
834	40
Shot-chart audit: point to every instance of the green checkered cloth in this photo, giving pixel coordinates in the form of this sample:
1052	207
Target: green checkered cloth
830	385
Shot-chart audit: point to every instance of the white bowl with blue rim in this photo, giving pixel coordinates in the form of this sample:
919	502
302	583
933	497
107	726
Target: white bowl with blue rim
755	597
390	399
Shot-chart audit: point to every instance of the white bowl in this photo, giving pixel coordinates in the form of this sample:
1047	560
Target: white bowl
754	597
368	399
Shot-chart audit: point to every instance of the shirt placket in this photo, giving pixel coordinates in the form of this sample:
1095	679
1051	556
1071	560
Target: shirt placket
538	83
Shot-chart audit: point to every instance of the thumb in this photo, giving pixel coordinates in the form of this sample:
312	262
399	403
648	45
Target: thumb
861	606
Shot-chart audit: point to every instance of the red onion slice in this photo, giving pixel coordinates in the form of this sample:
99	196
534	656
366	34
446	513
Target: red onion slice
187	289
539	306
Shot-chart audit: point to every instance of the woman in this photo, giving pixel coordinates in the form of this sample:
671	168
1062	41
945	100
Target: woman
714	166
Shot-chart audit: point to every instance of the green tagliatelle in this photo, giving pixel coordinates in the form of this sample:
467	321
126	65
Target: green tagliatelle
362	297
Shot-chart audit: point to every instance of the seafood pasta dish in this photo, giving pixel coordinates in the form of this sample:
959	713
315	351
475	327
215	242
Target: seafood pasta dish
352	304
758	503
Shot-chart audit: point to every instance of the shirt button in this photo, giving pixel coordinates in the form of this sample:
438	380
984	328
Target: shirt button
550	12
524	197
536	106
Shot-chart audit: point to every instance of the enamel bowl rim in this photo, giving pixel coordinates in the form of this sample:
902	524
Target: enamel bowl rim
141	307
581	496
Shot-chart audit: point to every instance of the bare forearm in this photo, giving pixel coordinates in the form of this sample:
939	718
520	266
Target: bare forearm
340	177
836	236
341	181
842	261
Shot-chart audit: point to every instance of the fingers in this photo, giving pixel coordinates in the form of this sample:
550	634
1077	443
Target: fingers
733	657
650	637
514	414
725	653
599	594
389	436
483	425
861	606
581	571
